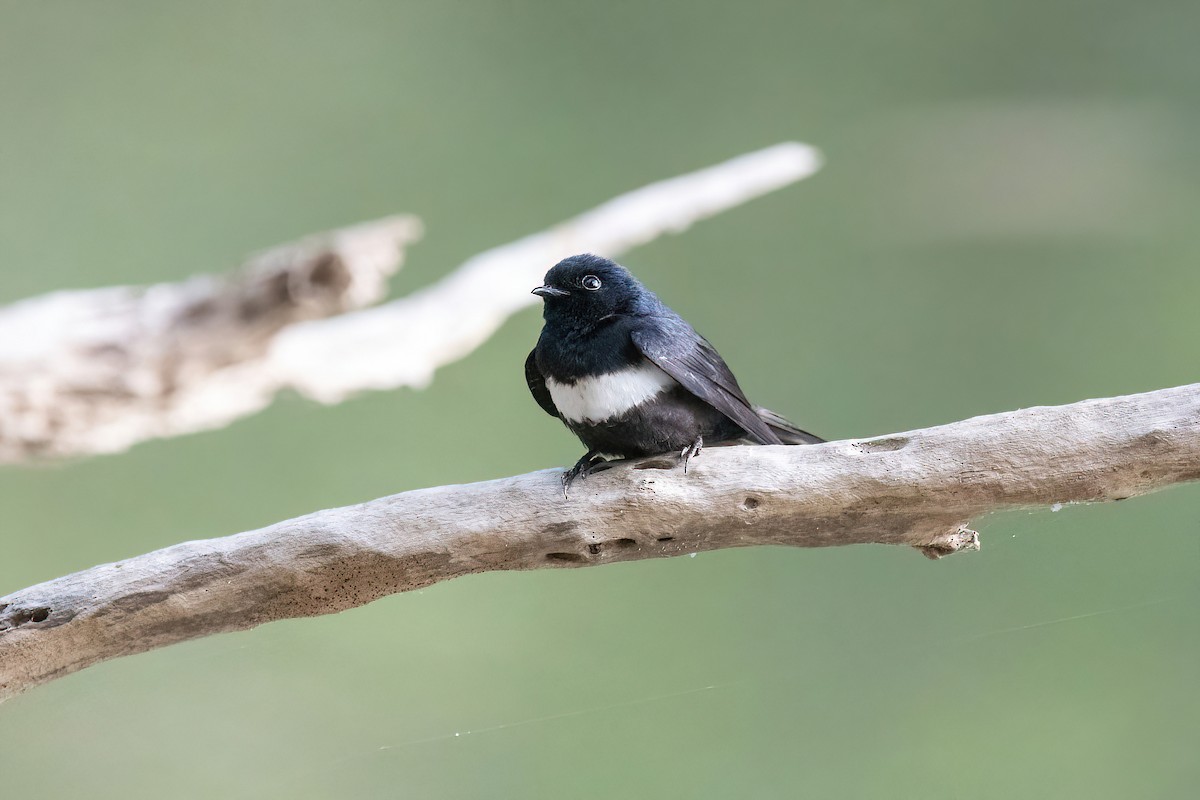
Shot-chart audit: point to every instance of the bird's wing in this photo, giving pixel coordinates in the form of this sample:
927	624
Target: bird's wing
687	357
537	385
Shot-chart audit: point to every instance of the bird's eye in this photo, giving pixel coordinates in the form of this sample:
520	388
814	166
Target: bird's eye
591	283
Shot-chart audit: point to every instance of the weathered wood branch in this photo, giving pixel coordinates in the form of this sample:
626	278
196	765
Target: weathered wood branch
98	371
919	488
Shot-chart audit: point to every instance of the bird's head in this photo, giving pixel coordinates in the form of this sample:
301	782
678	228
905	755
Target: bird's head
588	288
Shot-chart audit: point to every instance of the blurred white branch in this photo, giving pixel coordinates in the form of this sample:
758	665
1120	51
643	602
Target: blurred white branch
98	371
919	488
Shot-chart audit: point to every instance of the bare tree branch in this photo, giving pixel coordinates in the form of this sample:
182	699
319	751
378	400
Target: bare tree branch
96	371
99	371
919	488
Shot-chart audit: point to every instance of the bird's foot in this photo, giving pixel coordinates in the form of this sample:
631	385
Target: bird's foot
591	462
690	452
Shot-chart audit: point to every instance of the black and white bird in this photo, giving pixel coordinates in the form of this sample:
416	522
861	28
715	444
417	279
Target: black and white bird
631	378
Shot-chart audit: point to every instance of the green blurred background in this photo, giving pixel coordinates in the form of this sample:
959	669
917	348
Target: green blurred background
1007	219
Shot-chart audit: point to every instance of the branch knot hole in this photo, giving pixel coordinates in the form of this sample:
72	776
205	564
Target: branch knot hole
655	463
888	444
594	549
22	616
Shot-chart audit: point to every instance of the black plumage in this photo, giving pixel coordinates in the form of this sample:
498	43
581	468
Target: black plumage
630	377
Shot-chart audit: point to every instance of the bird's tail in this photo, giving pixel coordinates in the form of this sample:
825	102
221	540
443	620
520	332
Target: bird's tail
786	431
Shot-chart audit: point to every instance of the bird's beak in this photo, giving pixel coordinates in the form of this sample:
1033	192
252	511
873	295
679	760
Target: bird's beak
550	291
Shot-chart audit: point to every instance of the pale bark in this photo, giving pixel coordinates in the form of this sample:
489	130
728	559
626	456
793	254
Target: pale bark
919	488
98	371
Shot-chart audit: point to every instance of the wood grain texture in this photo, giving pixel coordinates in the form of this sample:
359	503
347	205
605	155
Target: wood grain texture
919	488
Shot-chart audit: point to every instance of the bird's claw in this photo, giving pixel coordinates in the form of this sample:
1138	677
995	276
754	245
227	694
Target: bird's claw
583	467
